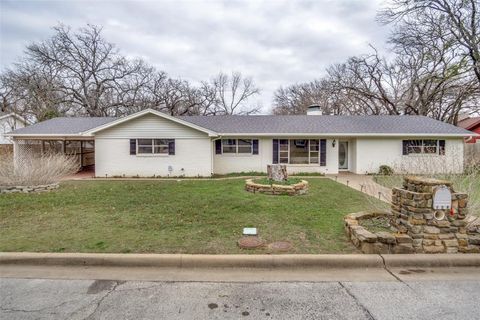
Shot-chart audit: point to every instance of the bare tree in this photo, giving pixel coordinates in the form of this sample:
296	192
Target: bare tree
32	93
232	94
458	20
296	98
81	74
90	70
429	74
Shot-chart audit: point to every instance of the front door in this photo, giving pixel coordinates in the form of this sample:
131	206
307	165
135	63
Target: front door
343	155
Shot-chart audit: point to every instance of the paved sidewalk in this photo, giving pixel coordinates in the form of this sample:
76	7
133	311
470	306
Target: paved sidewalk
365	184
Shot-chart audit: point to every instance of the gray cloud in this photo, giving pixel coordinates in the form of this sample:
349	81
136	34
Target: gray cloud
275	42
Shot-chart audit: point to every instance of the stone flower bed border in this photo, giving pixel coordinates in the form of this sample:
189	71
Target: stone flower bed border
375	242
28	189
277	189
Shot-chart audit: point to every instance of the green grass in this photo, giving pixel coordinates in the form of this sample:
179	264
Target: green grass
174	217
287	182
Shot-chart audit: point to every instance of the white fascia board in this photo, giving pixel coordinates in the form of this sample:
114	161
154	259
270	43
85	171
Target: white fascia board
333	135
16	116
49	136
149	111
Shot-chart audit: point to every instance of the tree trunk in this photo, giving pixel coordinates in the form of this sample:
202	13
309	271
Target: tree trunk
277	172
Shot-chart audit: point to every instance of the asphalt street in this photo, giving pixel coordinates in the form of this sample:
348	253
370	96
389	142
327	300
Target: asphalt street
119	299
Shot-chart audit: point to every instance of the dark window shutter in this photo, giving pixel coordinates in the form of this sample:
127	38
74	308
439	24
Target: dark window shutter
323	152
171	147
275	151
255	146
405	147
133	146
441	144
218	146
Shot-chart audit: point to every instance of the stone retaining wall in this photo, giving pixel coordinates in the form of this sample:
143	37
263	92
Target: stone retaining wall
276	189
28	189
416	226
375	242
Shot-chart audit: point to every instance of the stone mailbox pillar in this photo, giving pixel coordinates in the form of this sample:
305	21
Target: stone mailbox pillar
433	215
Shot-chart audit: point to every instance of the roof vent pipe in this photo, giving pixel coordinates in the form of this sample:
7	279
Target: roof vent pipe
314	110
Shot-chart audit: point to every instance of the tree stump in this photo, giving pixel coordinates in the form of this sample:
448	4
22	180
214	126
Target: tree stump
277	172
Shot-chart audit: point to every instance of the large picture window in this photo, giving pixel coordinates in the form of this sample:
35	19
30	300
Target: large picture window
297	151
424	147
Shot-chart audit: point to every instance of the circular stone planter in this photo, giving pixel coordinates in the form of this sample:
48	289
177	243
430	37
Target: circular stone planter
28	189
277	189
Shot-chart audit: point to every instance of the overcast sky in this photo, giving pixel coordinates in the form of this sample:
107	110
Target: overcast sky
275	42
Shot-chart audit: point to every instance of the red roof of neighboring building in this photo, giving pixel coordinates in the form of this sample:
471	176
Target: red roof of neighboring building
469	123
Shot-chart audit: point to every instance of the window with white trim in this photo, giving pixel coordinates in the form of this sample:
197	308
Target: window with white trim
153	146
299	151
427	146
232	146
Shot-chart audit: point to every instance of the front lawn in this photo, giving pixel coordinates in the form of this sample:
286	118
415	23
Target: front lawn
174	217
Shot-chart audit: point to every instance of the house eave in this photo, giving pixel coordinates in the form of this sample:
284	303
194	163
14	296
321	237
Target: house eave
51	136
334	135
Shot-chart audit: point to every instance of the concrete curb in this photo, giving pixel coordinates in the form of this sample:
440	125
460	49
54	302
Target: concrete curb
431	260
325	261
192	260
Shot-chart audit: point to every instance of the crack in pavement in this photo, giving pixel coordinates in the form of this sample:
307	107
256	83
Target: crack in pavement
392	274
364	309
37	310
100	301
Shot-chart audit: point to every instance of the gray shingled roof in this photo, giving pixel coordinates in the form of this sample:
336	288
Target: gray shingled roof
307	124
311	124
63	126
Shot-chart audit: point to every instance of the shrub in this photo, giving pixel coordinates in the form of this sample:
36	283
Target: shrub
36	170
385	170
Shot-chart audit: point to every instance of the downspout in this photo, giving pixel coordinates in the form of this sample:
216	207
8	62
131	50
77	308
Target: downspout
470	138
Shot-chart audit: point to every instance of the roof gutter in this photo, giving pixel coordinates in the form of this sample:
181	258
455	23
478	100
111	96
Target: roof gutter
433	135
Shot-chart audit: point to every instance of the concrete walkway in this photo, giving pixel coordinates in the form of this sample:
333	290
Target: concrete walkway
365	184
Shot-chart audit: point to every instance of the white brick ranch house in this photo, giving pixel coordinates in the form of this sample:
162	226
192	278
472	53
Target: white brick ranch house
150	143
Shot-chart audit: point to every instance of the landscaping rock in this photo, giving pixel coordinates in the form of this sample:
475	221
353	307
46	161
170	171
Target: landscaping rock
364	235
385	237
433	249
403	248
300	188
420	228
403	238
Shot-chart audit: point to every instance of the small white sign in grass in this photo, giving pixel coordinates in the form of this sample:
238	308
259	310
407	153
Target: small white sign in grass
249	231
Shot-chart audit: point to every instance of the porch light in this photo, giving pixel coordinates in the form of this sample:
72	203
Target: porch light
334	143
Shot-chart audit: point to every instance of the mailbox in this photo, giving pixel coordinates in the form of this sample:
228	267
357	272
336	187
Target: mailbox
442	198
